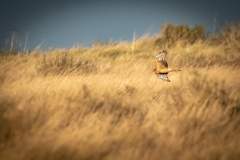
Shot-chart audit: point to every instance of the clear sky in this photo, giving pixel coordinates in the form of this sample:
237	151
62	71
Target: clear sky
63	23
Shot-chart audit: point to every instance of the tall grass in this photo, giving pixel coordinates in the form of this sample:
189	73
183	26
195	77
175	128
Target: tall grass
105	102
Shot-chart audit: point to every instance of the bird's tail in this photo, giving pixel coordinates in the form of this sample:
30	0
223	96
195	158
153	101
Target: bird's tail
173	70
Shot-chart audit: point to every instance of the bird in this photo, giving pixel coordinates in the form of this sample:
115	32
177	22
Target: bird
162	66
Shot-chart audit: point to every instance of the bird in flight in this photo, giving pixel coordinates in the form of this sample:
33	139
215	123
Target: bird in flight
162	66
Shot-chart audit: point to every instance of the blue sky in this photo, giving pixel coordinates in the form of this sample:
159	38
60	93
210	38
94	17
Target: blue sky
63	23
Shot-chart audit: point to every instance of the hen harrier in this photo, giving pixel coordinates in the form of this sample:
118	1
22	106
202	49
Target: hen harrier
162	66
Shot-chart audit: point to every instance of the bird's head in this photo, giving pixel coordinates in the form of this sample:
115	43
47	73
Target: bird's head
154	70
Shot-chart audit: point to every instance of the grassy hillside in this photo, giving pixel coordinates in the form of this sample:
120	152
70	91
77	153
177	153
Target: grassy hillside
105	102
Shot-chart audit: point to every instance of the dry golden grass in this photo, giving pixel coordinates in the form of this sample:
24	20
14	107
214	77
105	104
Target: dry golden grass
105	102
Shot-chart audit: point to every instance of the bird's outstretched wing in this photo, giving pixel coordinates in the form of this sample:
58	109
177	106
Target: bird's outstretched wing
163	76
160	60
161	64
161	55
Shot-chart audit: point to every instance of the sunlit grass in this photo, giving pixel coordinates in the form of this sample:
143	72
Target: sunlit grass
105	102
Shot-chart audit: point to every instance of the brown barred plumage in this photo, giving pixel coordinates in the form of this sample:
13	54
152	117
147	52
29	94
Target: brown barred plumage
162	66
